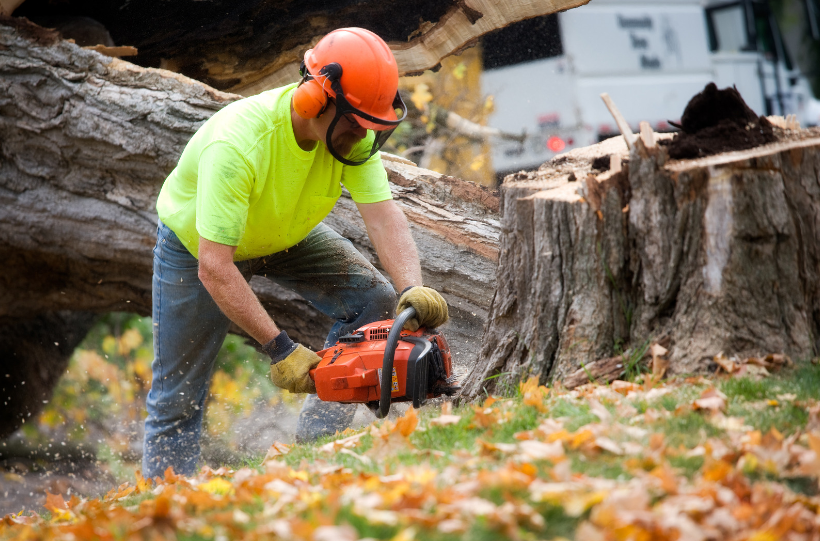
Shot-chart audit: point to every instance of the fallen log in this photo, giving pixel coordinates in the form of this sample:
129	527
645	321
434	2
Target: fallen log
709	255
85	144
254	45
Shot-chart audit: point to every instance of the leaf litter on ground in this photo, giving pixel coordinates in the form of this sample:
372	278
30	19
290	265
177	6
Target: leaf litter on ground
686	458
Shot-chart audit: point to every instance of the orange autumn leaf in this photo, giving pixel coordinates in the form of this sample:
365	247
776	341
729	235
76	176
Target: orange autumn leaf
528	386
485	416
489	401
143	485
407	424
162	506
390	437
486	448
716	470
55	502
276	450
534	394
580	438
668	481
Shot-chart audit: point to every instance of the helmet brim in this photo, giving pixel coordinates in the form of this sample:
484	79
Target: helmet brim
388	116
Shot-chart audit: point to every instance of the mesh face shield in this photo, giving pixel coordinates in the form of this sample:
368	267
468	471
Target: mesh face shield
380	137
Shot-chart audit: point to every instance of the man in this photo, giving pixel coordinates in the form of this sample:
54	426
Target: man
247	198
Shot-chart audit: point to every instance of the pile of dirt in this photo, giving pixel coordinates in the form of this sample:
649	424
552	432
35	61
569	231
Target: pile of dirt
716	121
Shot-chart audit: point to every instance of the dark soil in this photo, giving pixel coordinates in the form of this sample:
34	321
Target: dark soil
716	121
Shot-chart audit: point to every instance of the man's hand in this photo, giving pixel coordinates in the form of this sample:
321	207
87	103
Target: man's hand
291	364
431	308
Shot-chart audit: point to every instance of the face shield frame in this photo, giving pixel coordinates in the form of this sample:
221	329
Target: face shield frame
333	73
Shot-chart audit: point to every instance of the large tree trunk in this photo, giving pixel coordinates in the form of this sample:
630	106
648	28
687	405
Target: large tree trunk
85	144
719	254
254	45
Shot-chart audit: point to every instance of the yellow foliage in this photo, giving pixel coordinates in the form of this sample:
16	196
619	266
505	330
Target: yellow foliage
421	96
130	340
217	485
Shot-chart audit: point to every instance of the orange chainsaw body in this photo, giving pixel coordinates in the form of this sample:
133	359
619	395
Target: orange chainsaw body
350	371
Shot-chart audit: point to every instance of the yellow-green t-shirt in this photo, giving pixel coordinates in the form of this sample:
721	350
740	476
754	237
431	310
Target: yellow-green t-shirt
243	181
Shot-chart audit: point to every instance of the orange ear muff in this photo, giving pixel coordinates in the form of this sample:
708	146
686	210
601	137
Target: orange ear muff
309	99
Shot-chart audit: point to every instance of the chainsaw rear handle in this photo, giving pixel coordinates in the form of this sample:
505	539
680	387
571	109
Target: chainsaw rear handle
387	366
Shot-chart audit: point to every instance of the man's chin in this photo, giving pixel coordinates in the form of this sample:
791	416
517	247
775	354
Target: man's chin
344	145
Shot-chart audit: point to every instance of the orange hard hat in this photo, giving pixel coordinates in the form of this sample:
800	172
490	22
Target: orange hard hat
370	75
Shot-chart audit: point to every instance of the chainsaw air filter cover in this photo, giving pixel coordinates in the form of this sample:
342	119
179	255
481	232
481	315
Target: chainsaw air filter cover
350	371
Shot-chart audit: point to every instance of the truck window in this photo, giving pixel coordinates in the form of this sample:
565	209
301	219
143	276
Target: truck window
727	29
532	39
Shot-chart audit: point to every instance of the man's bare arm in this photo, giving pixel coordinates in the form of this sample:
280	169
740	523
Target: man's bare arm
388	231
231	292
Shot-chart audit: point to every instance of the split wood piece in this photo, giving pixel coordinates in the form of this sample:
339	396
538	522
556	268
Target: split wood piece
647	135
602	371
458	29
125	50
614	163
7	7
789	122
82	169
716	254
623	126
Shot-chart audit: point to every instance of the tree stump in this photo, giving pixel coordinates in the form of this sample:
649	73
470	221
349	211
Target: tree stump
717	254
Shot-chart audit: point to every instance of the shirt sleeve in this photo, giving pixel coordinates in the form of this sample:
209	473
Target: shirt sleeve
224	183
367	183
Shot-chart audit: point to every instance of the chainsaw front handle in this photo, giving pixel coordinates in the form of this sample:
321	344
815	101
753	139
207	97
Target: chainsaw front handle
387	366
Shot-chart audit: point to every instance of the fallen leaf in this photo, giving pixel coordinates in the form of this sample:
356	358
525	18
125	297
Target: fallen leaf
349	442
537	450
711	399
659	363
607	444
217	485
55	502
276	450
728	365
444	420
599	410
624	387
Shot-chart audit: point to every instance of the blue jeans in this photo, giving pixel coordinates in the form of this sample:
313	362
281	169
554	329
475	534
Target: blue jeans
189	329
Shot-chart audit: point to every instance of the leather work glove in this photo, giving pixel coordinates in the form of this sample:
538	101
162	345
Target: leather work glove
290	364
431	308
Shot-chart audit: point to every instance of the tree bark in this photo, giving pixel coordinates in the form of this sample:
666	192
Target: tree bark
85	144
720	254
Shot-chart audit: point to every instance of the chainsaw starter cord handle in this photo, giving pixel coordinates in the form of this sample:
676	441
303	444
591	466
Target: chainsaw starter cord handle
389	353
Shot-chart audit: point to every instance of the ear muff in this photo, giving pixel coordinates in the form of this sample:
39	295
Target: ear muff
309	99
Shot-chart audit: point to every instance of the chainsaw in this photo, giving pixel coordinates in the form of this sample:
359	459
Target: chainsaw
381	363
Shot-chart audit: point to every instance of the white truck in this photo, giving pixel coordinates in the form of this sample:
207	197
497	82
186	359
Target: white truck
651	57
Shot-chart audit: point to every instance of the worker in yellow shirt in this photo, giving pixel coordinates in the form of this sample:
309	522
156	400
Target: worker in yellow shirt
247	198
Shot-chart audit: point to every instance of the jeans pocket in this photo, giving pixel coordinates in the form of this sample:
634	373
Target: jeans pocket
170	250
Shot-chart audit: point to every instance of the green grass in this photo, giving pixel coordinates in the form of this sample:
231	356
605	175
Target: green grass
456	447
604	465
576	414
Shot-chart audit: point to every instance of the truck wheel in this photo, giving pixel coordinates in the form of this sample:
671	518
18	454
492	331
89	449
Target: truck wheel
34	353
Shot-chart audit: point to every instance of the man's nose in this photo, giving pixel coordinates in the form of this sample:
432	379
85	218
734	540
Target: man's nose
358	131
